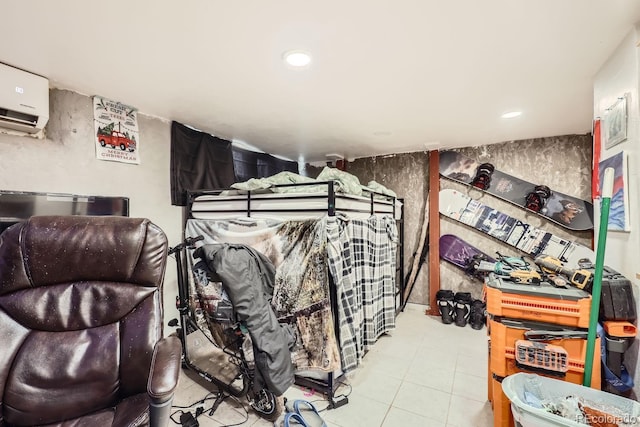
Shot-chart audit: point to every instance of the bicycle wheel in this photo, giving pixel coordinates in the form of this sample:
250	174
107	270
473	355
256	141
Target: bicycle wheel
266	404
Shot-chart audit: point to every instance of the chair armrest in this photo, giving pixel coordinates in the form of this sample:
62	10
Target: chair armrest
165	368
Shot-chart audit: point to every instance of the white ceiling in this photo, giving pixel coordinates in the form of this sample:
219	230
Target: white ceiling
386	77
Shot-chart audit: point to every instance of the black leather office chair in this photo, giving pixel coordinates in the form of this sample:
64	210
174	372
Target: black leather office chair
81	323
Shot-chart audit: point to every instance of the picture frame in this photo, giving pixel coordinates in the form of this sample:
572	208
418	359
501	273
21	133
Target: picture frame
619	218
615	120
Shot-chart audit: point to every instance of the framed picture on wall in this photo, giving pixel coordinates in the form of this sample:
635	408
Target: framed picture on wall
619	211
615	121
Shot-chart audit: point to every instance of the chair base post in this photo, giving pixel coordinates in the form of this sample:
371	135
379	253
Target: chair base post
159	413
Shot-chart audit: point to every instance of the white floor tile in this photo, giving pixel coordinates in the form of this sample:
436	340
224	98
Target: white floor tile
423	374
426	373
189	392
204	421
296	392
261	422
441	356
361	411
395	367
465	412
376	385
401	418
232	411
425	401
476	348
473	365
387	345
470	386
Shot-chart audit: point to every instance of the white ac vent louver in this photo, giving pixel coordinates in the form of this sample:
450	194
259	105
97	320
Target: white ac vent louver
24	100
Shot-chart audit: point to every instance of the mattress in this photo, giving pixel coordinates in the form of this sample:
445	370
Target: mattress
290	205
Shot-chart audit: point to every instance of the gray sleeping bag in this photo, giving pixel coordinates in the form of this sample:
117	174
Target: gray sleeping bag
248	278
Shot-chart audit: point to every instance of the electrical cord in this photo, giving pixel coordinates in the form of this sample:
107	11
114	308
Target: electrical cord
176	412
342	383
199	410
246	413
218	398
205	398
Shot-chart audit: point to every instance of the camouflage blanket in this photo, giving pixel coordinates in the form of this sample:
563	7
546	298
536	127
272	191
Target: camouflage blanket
301	294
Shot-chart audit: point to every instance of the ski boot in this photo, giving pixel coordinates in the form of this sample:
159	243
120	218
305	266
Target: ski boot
482	180
536	200
462	303
478	314
445	305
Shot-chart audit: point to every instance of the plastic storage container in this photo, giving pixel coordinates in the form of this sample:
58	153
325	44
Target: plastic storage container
542	303
500	404
509	340
616	301
612	408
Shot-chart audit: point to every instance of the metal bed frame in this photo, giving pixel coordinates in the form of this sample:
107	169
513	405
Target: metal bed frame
376	199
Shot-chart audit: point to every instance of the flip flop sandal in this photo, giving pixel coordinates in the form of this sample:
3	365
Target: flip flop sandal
308	412
296	418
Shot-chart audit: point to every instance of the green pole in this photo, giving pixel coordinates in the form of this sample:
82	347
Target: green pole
607	190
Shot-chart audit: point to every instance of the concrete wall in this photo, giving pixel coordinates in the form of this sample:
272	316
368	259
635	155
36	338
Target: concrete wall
407	175
65	162
563	163
620	75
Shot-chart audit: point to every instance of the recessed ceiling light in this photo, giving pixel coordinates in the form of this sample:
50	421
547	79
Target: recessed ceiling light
297	58
511	114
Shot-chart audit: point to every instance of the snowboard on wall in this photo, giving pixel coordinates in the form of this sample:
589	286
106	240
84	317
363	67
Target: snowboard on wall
525	237
567	211
463	255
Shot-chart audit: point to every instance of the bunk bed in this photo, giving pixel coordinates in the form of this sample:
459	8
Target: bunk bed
324	211
320	199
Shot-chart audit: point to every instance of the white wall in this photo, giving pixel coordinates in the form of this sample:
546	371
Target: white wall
65	162
620	75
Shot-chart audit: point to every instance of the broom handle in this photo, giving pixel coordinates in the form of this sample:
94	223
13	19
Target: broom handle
607	190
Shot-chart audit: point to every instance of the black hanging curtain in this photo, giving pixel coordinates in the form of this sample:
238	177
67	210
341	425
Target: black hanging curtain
249	164
245	164
199	161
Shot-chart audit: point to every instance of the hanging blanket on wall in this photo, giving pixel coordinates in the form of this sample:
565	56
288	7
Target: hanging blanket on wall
362	261
198	160
301	293
250	164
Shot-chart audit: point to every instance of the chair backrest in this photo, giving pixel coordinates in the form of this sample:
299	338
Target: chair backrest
80	312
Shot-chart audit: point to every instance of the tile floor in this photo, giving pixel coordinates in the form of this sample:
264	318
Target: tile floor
423	374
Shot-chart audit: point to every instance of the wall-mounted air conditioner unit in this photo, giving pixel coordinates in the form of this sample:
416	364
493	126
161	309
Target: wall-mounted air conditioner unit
24	100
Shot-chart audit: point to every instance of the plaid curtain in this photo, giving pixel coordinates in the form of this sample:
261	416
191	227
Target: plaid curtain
362	262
